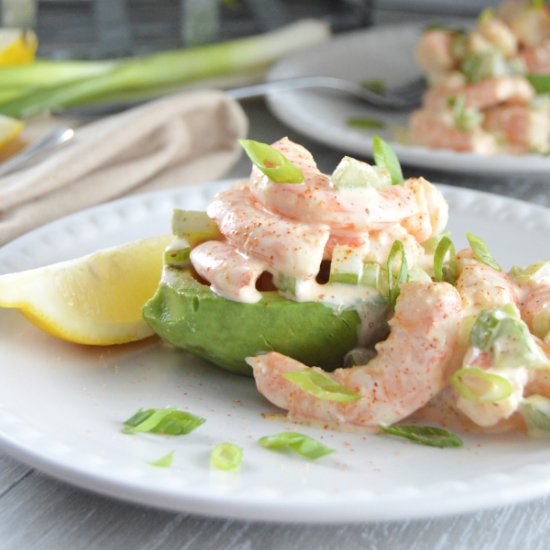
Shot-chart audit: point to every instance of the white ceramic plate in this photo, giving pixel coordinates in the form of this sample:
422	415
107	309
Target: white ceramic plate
62	405
385	53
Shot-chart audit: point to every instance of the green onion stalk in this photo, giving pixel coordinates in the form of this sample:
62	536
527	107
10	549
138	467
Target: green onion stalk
55	85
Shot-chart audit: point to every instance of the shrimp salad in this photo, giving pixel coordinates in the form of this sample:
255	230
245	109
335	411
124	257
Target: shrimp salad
489	86
467	345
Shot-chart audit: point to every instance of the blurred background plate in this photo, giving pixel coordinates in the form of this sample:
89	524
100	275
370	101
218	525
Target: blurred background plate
382	53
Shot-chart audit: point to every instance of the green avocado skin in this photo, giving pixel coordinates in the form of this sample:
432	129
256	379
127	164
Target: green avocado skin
189	315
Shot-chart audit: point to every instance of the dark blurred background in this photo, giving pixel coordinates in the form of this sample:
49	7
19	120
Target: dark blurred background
103	28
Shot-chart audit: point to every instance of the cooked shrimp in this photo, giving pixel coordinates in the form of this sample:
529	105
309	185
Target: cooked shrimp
434	51
288	246
230	274
530	25
436	129
537	58
481	95
520	125
412	365
493	34
482	287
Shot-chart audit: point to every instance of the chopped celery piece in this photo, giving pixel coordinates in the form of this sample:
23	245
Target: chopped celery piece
385	157
481	251
226	456
354	173
424	435
372	275
538	273
478	67
416	273
272	162
305	446
321	386
430	244
402	275
285	283
535	410
506	336
477	385
195	226
465	119
177	257
346	265
444	272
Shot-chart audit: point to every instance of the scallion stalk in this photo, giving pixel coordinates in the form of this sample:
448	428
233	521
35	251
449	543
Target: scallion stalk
74	87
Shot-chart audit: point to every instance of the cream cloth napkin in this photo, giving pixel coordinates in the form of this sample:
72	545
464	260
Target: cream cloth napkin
181	139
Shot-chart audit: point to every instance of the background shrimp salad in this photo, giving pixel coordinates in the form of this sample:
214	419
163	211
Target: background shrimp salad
488	86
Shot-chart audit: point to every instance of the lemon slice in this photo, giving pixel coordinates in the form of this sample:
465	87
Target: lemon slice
96	299
17	47
10	128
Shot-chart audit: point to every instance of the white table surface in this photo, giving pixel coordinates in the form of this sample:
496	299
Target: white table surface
39	512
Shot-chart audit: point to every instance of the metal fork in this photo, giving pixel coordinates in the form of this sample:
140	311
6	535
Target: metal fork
33	152
402	97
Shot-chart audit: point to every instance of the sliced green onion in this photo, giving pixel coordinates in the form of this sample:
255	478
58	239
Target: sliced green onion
366	123
272	162
505	334
402	276
385	156
164	461
425	435
375	85
442	272
537	4
169	421
483	330
535	410
540	83
301	444
321	386
226	456
480	386
481	251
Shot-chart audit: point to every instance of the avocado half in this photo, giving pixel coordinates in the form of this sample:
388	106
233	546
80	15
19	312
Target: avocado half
189	315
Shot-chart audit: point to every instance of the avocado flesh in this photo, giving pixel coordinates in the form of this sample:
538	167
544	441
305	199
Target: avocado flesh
189	315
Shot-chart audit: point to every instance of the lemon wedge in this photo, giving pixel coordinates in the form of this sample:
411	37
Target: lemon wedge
10	128
17	47
96	299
